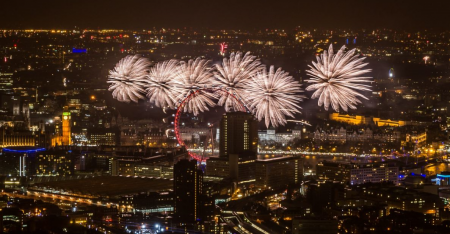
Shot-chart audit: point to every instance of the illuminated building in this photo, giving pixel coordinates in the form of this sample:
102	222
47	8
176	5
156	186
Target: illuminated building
333	171
66	131
343	135
150	170
363	120
64	136
357	173
401	198
218	167
147	203
12	138
18	161
100	189
6	82
271	136
238	148
54	164
387	122
349	119
188	187
278	172
102	137
238	134
416	137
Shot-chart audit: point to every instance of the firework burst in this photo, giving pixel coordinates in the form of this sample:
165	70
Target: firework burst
128	78
193	78
337	78
273	95
231	75
159	87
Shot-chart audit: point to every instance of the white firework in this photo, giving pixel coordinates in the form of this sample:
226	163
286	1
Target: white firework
273	95
194	77
159	88
337	78
128	78
231	76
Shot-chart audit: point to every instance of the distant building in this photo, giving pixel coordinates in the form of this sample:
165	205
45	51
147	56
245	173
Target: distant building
149	170
357	173
349	119
365	120
342	135
6	82
417	137
303	225
278	172
9	137
59	163
283	138
64	136
19	161
104	136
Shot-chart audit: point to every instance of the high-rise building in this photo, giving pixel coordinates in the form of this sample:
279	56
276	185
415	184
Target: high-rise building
188	186
238	148
238	134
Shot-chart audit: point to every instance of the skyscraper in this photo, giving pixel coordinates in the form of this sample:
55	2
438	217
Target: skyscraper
238	134
188	186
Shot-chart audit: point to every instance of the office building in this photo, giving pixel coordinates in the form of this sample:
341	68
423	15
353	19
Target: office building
278	172
357	173
187	186
238	134
54	163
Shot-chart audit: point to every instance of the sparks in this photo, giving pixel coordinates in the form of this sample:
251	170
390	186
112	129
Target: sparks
336	79
128	78
159	88
232	74
273	95
194	77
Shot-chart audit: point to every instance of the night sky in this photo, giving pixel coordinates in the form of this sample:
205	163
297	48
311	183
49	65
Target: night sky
231	14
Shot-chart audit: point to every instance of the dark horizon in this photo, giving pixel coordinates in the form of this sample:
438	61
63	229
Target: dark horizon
245	15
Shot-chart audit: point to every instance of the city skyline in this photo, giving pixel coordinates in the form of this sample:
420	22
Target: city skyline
283	117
